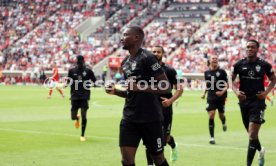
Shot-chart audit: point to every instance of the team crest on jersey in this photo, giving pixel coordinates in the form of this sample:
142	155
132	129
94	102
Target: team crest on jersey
155	66
217	74
84	73
133	65
251	73
258	68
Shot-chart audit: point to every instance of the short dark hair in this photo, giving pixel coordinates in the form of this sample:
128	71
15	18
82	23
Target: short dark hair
254	41
138	30
163	51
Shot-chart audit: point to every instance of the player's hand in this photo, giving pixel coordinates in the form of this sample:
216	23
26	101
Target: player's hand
241	95
219	93
166	102
261	95
203	96
110	88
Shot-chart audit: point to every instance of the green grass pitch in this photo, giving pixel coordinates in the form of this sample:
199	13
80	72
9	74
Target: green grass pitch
35	131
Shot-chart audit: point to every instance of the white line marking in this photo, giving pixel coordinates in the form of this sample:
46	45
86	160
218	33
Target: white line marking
113	139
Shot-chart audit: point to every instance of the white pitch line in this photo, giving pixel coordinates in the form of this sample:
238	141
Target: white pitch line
113	138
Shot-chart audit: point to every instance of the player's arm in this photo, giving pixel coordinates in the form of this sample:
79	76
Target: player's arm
159	84
112	90
206	86
239	94
178	92
271	76
68	79
204	94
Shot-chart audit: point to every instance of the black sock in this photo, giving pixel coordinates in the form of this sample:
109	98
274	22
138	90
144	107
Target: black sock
171	142
149	158
211	127
83	126
165	163
223	120
252	147
128	165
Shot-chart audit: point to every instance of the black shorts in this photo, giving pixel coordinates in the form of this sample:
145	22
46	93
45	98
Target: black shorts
151	133
252	111
216	104
78	104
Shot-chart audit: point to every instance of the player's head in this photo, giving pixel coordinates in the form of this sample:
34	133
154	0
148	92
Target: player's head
133	36
213	59
54	64
159	52
80	60
252	47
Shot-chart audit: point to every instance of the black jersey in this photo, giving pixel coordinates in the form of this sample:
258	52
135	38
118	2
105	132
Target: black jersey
171	75
142	107
215	81
251	75
81	80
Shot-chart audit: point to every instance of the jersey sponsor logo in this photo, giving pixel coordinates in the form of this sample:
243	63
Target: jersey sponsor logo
84	73
244	68
258	68
79	77
133	65
251	73
155	66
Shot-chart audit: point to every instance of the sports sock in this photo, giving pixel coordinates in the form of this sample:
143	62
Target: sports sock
50	92
149	159
171	142
223	120
252	147
60	91
83	126
211	127
165	163
128	165
268	98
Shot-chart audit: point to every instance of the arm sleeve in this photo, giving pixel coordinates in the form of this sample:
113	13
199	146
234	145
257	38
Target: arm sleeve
236	69
92	76
224	74
152	66
268	70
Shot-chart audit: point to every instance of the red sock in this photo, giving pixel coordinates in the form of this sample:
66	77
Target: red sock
268	98
50	92
60	91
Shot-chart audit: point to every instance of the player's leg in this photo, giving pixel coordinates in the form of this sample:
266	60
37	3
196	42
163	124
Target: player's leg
129	140
60	91
75	105
149	158
168	137
221	110
254	143
153	138
256	118
84	108
211	110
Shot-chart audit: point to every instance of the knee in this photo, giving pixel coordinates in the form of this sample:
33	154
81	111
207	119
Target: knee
252	135
221	115
158	159
127	162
